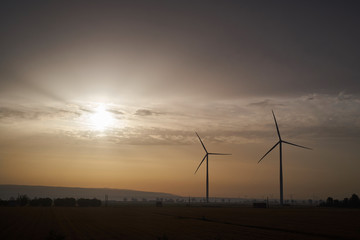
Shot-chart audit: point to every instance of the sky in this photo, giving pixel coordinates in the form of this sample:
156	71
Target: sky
110	94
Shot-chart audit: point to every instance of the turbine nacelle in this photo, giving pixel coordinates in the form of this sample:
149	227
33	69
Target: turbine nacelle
279	142
207	153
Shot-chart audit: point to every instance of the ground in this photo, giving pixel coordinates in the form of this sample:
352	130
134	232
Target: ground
178	222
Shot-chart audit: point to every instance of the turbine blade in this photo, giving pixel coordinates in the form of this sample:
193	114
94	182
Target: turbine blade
277	127
296	145
269	151
200	163
201	142
220	154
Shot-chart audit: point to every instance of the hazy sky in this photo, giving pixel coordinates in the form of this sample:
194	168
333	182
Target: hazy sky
109	94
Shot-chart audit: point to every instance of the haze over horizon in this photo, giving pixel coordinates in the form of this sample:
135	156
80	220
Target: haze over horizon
108	94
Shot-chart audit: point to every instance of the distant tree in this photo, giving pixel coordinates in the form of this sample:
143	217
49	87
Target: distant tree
23	200
34	202
95	202
83	202
329	202
354	201
12	202
43	202
46	202
336	203
3	202
88	202
65	202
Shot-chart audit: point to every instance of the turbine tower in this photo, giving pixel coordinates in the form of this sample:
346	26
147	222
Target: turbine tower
207	166
280	142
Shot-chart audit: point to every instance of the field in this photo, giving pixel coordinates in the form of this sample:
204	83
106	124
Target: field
174	222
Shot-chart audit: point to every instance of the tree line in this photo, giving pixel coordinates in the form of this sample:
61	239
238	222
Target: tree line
24	200
352	202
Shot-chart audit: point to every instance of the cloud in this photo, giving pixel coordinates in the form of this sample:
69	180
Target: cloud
86	110
116	112
14	114
168	136
136	136
265	104
304	118
344	96
145	112
62	113
11	113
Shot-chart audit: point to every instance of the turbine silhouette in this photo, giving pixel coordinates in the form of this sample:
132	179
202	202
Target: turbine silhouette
207	166
280	142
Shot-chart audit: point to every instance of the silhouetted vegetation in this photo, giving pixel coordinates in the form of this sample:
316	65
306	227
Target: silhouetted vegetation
23	200
82	202
352	202
65	202
41	202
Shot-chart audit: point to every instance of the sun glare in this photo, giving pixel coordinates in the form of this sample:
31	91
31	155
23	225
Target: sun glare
101	118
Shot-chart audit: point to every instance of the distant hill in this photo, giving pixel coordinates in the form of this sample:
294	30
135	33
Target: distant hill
8	191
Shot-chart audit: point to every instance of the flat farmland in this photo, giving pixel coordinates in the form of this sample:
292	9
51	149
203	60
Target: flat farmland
173	222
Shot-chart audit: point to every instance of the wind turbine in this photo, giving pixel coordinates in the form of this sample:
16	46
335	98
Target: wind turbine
280	142
207	166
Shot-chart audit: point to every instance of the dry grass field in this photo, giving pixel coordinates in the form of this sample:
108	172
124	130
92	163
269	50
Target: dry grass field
171	222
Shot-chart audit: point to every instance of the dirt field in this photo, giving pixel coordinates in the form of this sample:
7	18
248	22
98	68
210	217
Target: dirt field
135	222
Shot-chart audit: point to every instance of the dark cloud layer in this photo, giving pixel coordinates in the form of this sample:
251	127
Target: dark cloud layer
219	49
15	115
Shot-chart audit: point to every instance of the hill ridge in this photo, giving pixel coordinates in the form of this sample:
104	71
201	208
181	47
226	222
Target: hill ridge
12	190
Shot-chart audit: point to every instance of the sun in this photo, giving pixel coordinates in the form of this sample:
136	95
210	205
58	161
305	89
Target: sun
101	119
